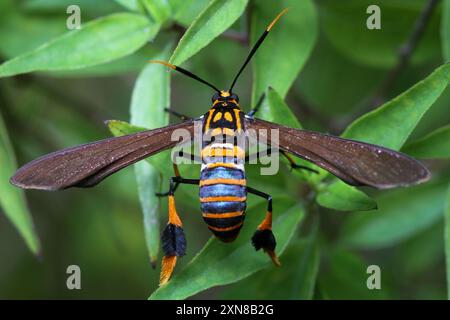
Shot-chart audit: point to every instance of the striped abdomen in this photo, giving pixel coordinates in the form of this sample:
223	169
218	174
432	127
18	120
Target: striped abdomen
222	190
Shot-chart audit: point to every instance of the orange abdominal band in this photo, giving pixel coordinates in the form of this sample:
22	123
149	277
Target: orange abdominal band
223	215
239	182
221	199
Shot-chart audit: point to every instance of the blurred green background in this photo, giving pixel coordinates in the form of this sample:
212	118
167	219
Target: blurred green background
101	229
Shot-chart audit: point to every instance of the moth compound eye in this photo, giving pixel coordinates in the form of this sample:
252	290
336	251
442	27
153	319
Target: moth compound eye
215	97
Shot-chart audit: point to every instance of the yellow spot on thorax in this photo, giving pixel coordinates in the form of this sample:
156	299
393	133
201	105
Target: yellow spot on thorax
217	117
228	116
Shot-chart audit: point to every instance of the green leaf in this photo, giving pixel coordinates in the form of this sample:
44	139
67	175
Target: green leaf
120	128
185	11
12	199
340	196
391	124
217	17
434	145
148	182
274	109
344	25
445	30
298	277
284	52
159	9
401	214
130	64
300	267
222	263
132	5
19	34
148	110
97	42
447	239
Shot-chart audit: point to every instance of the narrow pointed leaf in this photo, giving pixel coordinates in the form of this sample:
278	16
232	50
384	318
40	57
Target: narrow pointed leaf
300	266
217	17
391	124
401	214
12	199
147	109
287	47
434	145
274	109
160	10
99	41
185	11
132	5
298	279
222	263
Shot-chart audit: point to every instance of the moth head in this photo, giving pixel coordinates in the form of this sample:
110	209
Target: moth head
225	96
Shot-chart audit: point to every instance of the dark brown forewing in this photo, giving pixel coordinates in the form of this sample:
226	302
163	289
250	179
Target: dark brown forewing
88	164
354	162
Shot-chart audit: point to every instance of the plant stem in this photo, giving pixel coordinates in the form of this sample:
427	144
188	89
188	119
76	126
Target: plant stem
404	54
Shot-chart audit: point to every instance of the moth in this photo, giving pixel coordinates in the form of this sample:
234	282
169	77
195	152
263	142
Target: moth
222	183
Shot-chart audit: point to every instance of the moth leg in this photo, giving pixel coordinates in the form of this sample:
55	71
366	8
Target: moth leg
177	114
173	238
256	155
263	236
251	157
294	165
252	112
177	172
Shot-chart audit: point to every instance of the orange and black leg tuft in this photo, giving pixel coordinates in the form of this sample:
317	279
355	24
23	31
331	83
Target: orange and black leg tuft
263	237
173	238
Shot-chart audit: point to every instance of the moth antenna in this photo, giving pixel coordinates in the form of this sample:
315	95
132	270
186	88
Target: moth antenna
185	72
256	46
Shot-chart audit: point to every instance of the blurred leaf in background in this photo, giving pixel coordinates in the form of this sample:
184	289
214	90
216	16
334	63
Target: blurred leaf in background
12	200
320	69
